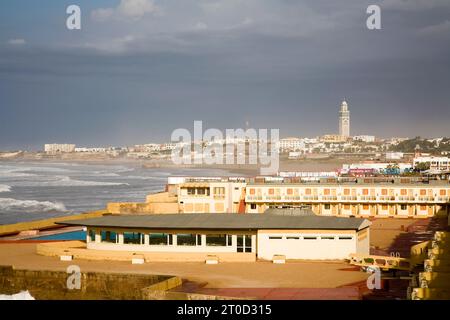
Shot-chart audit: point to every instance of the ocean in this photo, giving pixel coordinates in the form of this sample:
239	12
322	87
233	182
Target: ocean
39	190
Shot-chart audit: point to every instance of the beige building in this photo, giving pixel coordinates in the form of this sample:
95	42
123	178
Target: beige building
362	200
213	195
292	234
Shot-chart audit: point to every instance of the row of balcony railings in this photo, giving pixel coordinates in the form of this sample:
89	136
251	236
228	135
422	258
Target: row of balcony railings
348	198
319	180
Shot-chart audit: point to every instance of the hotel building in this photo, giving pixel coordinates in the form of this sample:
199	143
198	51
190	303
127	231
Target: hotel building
362	197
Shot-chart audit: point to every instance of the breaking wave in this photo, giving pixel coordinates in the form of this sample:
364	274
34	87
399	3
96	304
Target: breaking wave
9	204
5	188
69	182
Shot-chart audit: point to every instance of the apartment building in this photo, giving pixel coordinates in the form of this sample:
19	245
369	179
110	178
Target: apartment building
402	198
360	200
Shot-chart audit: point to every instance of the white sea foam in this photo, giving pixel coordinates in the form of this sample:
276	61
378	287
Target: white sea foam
146	178
22	295
69	182
5	188
9	204
65	181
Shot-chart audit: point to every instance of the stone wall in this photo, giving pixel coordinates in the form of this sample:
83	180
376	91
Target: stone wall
50	285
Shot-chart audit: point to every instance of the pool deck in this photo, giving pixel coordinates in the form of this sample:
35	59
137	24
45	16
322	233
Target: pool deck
42	233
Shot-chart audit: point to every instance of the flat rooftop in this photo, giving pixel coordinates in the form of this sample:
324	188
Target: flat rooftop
223	221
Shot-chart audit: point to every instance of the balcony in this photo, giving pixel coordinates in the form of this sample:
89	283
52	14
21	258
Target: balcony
425	199
329	198
387	198
253	198
406	198
367	198
292	197
310	198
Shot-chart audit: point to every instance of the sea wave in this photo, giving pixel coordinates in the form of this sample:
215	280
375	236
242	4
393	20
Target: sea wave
5	188
66	181
9	204
69	182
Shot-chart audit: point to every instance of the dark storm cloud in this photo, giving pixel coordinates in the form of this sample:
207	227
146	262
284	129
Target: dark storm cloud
133	77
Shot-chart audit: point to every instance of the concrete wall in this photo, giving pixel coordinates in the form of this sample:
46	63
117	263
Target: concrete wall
46	223
48	285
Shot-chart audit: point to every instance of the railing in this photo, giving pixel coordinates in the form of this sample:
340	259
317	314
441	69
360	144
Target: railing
382	262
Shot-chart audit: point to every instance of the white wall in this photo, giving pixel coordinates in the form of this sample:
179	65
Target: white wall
320	249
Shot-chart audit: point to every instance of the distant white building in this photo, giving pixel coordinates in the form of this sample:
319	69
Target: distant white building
291	144
59	148
394	155
364	138
91	150
436	163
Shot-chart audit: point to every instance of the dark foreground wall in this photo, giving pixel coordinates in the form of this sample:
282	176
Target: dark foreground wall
49	285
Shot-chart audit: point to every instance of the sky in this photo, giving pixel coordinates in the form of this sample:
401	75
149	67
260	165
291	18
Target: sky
139	69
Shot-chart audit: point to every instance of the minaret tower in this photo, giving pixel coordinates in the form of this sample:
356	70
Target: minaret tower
344	120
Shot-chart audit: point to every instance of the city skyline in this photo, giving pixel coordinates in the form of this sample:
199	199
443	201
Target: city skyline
134	74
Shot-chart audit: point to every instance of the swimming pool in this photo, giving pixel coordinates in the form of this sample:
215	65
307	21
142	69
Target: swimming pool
72	235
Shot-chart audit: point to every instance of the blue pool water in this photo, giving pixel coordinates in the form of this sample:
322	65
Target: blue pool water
73	235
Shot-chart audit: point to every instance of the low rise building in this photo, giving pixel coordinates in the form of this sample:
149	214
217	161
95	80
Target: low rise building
229	237
435	163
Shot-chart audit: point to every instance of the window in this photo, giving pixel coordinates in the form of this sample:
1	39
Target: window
384	192
275	238
253	206
190	191
292	238
403	207
403	192
203	191
92	235
252	191
346	192
327	206
186	239
199	239
289	191
423	192
327	238
216	240
310	238
442	192
133	238
365	207
308	191
384	206
365	192
158	239
345	238
229	240
244	243
271	191
108	236
422	207
326	192
346	206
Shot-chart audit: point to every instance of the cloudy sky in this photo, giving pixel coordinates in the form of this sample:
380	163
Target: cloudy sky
138	69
